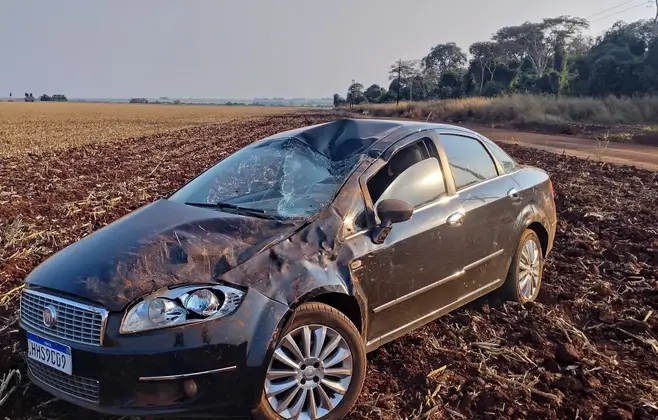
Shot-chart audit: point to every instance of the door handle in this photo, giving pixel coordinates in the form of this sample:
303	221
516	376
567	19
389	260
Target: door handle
514	194
456	219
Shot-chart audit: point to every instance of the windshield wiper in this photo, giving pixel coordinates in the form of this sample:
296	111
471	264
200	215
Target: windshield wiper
237	209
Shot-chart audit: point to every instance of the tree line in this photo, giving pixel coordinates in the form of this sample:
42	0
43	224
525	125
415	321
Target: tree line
29	97
553	57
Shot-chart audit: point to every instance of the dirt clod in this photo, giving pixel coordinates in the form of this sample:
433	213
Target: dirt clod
592	382
567	353
614	413
606	316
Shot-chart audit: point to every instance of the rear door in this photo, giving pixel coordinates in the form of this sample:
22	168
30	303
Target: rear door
489	202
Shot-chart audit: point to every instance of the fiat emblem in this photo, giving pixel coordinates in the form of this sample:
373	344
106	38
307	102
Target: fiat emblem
49	316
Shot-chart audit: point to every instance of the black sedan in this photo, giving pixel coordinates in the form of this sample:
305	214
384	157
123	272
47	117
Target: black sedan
259	287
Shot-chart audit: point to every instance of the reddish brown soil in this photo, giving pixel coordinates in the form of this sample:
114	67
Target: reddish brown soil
586	349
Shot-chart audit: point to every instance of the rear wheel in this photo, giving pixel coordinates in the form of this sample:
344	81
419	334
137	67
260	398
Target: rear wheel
317	368
525	273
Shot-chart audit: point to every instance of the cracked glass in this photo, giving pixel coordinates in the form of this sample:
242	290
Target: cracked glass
281	177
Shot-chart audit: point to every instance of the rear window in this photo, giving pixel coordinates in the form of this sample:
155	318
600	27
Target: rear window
509	165
469	160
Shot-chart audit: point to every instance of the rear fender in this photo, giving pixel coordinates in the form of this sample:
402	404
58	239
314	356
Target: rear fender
538	202
534	213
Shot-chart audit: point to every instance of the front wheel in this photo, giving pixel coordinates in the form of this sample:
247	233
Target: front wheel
317	368
525	272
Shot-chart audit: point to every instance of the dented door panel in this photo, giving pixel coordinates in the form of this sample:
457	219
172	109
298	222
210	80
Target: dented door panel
404	277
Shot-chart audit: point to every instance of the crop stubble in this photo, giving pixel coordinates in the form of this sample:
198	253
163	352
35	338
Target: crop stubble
44	126
586	348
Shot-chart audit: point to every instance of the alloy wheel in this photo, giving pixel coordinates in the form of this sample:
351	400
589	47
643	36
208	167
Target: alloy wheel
309	374
529	269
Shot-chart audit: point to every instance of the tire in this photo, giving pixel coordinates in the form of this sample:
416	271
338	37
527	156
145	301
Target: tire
309	380
515	287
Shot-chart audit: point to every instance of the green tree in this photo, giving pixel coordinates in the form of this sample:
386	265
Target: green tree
406	69
615	65
494	89
636	35
579	45
401	75
397	90
487	55
374	93
648	74
469	85
549	82
338	100
450	84
444	57
505	73
537	41
355	94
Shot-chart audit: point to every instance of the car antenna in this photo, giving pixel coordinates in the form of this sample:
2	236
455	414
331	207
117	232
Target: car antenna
428	117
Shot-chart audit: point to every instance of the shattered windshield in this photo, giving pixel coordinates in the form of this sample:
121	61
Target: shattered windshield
281	177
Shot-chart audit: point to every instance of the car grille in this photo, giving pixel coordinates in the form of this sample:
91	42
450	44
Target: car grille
75	386
75	321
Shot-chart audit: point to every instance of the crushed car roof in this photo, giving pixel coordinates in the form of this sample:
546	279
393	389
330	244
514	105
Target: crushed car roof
347	137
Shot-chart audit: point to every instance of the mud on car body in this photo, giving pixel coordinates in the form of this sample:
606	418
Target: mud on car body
258	287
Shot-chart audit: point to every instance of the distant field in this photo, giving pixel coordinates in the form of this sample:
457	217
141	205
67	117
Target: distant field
41	126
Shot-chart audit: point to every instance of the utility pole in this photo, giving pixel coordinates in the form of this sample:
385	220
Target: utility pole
351	93
655	22
399	79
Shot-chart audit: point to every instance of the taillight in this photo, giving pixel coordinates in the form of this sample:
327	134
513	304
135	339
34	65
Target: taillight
550	185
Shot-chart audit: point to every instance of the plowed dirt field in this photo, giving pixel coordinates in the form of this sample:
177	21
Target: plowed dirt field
587	349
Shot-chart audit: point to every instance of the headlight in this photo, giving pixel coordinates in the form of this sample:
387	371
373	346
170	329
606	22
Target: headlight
183	305
203	302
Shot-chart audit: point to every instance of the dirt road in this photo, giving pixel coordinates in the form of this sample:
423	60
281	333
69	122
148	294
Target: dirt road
645	157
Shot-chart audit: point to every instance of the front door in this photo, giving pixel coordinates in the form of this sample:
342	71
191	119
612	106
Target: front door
416	270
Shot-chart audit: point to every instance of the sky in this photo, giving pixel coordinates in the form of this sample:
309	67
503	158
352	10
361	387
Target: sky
247	49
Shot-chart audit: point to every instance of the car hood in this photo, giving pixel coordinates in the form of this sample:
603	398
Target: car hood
159	245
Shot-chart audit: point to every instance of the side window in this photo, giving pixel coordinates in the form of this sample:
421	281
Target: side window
508	163
469	160
413	174
420	184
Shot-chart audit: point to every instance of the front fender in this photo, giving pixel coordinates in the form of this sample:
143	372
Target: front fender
332	295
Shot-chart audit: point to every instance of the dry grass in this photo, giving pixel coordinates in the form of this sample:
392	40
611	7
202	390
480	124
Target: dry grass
528	109
36	127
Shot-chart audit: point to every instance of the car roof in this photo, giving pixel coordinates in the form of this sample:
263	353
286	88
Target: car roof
347	137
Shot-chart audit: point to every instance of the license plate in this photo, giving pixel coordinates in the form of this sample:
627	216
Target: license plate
48	352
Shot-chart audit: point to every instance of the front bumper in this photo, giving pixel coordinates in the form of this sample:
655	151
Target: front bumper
149	373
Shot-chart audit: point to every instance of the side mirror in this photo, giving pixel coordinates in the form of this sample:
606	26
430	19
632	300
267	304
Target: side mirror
390	211
395	211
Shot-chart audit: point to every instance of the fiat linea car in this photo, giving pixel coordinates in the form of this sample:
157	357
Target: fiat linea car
258	288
